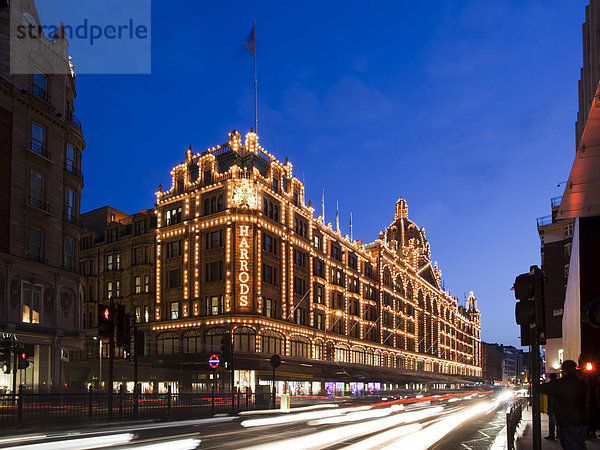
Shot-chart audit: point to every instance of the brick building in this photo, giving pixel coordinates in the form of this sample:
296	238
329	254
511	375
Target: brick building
492	356
40	184
239	251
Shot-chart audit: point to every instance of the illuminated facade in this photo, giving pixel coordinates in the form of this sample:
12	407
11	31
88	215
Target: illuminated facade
237	249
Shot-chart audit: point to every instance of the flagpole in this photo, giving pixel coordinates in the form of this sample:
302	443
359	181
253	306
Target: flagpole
255	83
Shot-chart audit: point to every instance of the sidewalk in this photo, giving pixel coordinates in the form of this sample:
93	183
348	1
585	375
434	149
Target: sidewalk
525	441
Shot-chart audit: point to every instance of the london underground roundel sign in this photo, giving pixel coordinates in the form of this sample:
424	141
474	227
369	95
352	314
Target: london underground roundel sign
214	361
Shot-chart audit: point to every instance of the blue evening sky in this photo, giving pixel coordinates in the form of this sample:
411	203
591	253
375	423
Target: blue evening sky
464	108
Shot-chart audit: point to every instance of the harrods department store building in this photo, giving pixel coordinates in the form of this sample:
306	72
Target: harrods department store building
234	248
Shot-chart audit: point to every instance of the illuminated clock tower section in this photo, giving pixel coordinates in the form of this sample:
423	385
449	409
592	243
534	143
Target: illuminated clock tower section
244	271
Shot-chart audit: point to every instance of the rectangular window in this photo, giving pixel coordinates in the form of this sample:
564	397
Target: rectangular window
318	296
300	316
38	138
269	274
568	250
36	189
112	235
138	255
140	227
146	283
31	303
137	284
70	162
569	230
146	313
40	85
173	216
336	252
109	262
214	239
213	271
34	244
214	305
268	307
138	314
318	321
298	258
69	254
318	268
173	249
318	241
269	244
299	286
117	288
174	309
337	277
352	261
69	204
174	279
117	261
109	290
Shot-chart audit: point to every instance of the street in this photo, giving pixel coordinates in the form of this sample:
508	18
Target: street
457	420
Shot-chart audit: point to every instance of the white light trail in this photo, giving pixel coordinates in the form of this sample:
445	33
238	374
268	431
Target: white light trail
300	417
177	444
81	443
329	437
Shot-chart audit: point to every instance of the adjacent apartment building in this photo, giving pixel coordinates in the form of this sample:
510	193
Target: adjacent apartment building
40	185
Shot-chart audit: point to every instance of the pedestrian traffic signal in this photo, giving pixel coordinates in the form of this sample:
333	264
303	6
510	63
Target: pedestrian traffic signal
530	309
5	355
590	313
106	321
588	367
226	348
22	362
123	326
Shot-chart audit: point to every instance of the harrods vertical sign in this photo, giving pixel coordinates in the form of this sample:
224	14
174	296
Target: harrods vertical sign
244	267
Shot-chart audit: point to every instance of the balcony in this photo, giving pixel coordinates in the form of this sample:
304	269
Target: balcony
37	258
73	119
73	171
70	218
543	221
40	149
39	204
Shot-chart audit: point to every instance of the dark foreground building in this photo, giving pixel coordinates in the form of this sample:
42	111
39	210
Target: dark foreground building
237	250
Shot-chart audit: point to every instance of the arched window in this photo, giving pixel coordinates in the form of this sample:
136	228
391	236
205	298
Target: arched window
399	286
318	350
342	353
167	343
409	291
192	342
329	351
377	358
420	300
244	340
369	357
212	339
387	278
358	355
272	342
299	347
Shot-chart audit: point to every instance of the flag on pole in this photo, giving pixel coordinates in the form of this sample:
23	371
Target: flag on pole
250	42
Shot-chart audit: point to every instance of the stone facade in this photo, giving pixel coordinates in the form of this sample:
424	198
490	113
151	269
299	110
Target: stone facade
41	181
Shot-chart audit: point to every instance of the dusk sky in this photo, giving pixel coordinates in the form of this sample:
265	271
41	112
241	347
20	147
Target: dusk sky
466	109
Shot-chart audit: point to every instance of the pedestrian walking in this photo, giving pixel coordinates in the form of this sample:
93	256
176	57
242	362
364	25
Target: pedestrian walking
569	395
551	423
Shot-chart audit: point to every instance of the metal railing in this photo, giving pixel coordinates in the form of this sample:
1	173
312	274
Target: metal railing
39	204
95	405
40	149
73	119
513	417
545	220
74	171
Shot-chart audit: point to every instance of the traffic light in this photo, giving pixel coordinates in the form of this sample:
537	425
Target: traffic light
22	362
530	309
123	328
226	348
5	355
106	321
590	313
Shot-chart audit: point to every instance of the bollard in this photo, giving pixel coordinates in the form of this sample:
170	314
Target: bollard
90	391
121	396
20	403
169	403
